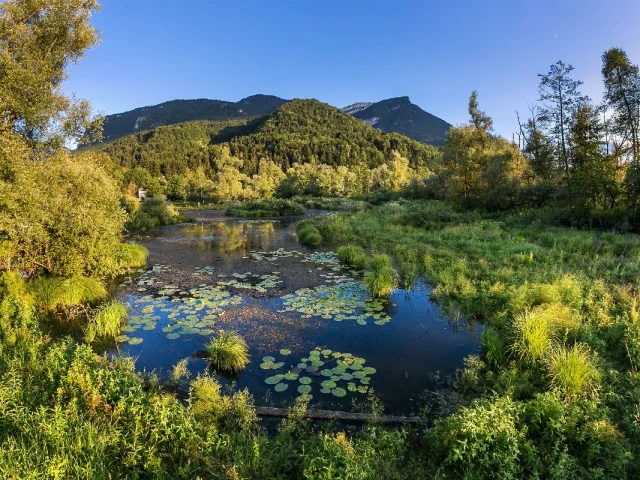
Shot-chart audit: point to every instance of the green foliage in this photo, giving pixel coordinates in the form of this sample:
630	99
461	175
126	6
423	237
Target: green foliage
228	352
61	216
265	208
155	212
533	335
481	441
106	322
380	278
353	256
52	293
572	370
131	255
308	235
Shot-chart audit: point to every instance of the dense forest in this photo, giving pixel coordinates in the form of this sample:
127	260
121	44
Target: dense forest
554	391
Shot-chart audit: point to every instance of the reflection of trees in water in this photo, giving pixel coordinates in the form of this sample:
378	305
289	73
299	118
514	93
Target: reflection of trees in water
232	237
229	237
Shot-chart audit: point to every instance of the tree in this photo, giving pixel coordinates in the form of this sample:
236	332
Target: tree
482	122
39	39
622	96
560	98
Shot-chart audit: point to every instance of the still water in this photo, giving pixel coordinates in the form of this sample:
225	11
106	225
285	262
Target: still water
310	324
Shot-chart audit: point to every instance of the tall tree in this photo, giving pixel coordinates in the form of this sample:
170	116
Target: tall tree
481	121
622	97
39	39
560	98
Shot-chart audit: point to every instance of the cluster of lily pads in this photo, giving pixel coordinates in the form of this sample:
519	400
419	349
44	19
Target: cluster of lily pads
258	220
336	373
207	270
343	301
189	311
147	278
322	257
252	281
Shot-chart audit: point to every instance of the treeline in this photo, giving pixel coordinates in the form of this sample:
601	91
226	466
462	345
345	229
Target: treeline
578	159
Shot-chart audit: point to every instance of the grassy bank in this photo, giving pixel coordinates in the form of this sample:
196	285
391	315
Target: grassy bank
556	391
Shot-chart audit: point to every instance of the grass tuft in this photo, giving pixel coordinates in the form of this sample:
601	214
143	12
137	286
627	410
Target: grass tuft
353	256
532	335
572	370
106	322
228	352
381	278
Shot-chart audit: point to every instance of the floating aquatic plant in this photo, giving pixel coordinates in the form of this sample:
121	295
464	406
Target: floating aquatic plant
343	301
343	373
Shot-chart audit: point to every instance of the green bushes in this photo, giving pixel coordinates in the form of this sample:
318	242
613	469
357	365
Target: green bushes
129	256
155	212
228	352
381	278
275	207
352	256
106	322
309	235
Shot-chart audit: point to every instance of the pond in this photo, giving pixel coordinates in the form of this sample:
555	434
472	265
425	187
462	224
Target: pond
309	322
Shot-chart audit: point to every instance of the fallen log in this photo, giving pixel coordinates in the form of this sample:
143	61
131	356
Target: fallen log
318	414
338	415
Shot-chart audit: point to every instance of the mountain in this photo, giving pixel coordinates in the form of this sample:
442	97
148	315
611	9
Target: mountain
392	115
299	131
402	116
177	111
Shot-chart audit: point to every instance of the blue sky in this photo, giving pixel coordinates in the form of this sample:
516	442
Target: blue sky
340	52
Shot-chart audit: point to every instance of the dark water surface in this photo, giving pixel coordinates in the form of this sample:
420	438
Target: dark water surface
220	273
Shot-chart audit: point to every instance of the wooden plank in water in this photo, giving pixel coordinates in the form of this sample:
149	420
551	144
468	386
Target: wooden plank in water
319	414
337	415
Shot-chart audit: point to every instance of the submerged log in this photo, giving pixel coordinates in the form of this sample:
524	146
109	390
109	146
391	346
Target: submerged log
318	414
338	415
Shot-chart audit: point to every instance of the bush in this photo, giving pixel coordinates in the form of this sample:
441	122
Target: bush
482	441
228	352
155	212
381	278
130	255
353	256
309	235
275	207
106	322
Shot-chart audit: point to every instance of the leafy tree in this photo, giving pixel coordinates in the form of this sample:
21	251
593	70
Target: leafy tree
39	39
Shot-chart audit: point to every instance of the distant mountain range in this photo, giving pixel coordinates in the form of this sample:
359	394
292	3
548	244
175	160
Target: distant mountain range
392	115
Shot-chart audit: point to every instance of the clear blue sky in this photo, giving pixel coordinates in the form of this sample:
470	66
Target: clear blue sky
340	52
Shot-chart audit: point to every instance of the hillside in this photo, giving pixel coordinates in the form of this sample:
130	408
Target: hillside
402	116
177	111
299	131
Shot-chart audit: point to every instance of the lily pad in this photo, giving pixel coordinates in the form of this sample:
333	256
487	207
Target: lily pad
339	392
304	388
305	380
281	387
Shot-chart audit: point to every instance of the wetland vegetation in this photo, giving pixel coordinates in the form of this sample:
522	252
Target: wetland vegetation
489	287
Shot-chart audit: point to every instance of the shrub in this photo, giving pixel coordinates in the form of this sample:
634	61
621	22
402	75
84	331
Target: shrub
179	371
214	410
228	352
106	322
309	235
130	255
572	370
381	278
482	441
353	256
275	207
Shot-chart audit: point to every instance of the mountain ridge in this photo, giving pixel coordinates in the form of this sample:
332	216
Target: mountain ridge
393	115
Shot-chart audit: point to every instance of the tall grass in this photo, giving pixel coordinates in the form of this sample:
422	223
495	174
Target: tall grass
381	278
131	255
532	335
106	322
52	293
353	256
228	352
572	370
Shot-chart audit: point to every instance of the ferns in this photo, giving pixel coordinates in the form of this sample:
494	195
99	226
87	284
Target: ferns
228	352
106	322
